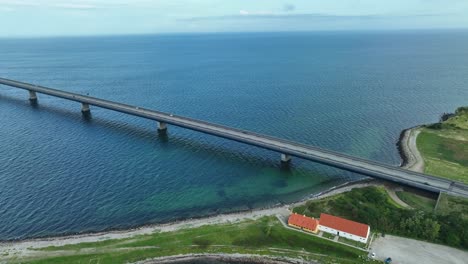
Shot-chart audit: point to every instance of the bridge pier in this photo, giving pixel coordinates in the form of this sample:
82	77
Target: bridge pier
32	96
285	158
85	108
162	127
311	153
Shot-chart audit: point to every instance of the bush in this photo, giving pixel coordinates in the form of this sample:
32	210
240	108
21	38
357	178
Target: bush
370	205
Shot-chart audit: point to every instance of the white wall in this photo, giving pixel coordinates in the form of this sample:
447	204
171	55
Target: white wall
344	234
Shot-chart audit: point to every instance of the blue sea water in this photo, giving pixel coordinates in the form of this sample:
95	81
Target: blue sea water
347	91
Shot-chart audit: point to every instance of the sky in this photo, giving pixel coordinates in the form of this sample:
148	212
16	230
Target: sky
37	18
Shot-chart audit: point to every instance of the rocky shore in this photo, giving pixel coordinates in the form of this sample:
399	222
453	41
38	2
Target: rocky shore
411	157
229	258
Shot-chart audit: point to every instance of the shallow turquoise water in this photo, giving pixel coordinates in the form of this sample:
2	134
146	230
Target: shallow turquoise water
349	92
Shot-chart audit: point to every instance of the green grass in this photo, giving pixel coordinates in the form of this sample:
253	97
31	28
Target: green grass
440	147
352	242
265	236
450	204
328	235
417	201
343	204
444	156
372	206
444	147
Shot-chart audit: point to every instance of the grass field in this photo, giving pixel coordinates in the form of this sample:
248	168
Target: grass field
444	147
265	236
343	204
417	201
327	235
352	242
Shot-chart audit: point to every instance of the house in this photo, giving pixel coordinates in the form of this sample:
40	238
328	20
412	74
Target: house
344	228
303	222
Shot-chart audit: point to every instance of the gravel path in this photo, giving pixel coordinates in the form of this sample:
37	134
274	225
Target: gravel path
394	196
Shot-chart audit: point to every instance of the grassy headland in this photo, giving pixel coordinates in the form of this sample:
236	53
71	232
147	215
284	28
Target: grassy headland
444	146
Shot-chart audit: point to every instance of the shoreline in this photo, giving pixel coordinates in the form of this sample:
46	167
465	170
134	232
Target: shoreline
400	146
251	259
409	153
27	247
346	186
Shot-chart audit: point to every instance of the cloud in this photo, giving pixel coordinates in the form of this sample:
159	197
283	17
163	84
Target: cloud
244	12
246	15
75	6
289	7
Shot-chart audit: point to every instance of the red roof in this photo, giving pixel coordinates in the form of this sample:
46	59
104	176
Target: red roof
303	221
344	225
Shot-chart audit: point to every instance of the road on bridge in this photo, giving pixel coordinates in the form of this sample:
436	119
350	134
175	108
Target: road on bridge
327	157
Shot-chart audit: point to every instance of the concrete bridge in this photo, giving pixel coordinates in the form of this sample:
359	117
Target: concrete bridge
284	147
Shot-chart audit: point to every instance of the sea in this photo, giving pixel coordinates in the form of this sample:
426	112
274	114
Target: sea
352	92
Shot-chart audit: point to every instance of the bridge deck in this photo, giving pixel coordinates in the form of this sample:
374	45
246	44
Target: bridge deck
331	158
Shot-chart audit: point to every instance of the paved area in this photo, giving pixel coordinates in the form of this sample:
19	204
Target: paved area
409	251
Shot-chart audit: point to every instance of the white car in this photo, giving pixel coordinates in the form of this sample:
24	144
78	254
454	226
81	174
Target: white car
373	255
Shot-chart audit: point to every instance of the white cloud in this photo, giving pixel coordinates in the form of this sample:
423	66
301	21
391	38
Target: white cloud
75	6
244	12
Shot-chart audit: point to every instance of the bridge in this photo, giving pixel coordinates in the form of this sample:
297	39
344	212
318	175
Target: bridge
286	148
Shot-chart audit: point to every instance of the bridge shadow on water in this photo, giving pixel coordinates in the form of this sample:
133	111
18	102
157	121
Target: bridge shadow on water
237	152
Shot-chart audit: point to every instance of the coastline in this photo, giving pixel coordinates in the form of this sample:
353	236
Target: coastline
27	248
409	153
241	258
